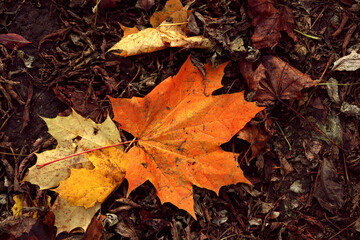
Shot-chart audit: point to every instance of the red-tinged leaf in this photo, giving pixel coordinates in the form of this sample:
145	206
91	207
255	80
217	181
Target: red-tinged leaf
12	40
269	22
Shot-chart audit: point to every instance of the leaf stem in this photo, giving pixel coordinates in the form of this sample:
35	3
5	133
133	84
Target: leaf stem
283	135
307	35
87	151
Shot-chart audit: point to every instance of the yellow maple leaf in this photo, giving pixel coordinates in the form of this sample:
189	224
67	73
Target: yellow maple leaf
74	134
85	180
172	32
96	183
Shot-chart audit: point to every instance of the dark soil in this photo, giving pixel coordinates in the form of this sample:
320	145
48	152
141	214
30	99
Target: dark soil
304	187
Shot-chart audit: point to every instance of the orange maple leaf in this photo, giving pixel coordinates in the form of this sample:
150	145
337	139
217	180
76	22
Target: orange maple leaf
179	127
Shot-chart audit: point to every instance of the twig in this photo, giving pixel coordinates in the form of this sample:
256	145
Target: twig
331	59
344	229
318	17
342	25
345	169
348	37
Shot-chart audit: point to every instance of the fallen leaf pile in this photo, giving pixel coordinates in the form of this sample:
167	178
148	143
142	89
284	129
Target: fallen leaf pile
170	30
179	126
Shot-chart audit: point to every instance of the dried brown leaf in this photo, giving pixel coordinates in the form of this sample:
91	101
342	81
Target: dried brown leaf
274	79
269	22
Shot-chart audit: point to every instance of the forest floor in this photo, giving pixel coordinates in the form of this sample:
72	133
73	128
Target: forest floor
304	186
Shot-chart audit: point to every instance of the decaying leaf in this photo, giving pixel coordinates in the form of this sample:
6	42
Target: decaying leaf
269	22
17	226
329	191
170	33
12	40
257	136
96	229
25	224
146	4
69	217
180	126
274	79
74	134
350	62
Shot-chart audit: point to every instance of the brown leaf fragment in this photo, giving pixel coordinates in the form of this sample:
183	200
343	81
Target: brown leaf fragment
146	4
274	79
313	221
26	113
344	20
269	22
16	226
58	35
285	167
126	228
329	191
95	229
25	227
257	136
84	102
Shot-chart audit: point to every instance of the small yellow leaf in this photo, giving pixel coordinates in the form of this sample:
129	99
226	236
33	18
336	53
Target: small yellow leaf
96	184
19	204
74	134
145	41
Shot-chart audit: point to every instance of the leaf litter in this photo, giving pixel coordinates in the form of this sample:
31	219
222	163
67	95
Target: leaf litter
76	64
